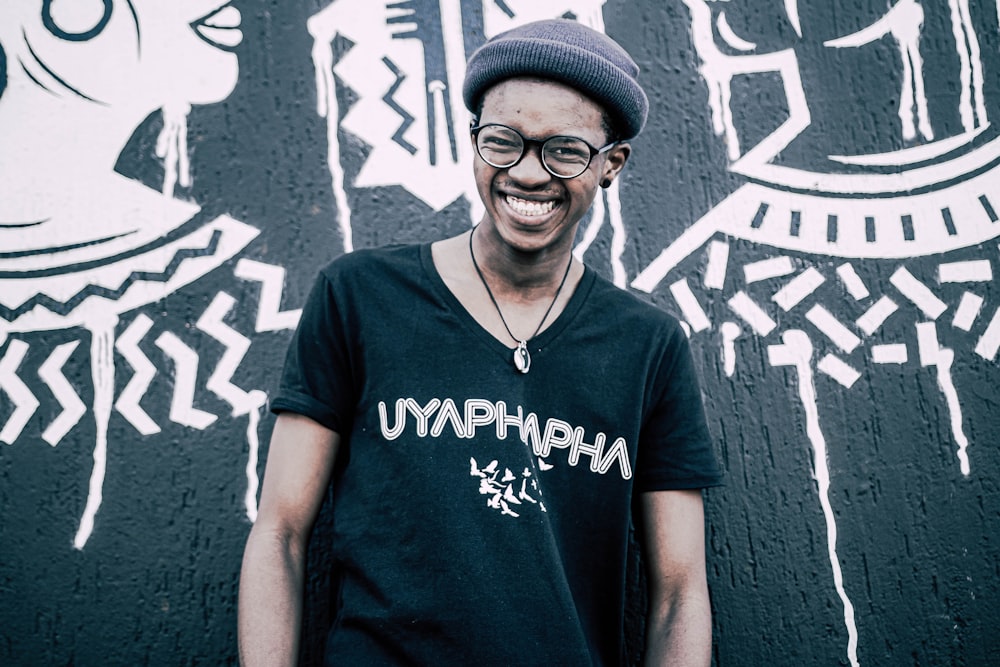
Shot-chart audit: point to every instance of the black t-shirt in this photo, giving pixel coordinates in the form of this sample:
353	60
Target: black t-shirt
481	515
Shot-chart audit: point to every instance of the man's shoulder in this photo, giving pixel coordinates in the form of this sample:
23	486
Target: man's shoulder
628	310
369	262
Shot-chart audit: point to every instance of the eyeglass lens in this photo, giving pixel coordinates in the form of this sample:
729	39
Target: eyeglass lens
503	147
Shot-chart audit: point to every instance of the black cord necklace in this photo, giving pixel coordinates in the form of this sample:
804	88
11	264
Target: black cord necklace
522	360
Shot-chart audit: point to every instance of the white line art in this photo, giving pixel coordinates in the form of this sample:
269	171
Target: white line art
102	370
839	370
917	292
890	353
690	308
270	317
765	269
876	315
969	271
903	21
24	401
718	262
967	311
852	281
143	373
730	332
182	410
932	354
832	328
752	314
220	382
989	342
798	288
796	351
73	408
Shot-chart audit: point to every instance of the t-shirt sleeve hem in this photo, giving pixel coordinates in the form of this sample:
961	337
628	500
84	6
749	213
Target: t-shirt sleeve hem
307	406
673	484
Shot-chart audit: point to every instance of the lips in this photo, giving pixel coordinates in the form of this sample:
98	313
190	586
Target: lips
220	28
530	208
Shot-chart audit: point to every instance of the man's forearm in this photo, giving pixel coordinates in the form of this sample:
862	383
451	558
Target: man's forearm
679	633
270	601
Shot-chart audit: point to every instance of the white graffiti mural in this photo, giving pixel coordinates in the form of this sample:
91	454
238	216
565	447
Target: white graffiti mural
83	247
816	224
406	64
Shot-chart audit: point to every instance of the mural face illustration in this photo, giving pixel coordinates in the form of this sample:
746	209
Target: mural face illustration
531	208
81	244
85	75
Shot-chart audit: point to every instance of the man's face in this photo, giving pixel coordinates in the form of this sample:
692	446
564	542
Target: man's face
530	208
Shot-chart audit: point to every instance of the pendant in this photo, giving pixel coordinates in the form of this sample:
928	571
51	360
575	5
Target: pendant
522	360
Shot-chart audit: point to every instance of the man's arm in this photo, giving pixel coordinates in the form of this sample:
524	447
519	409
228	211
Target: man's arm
299	465
679	622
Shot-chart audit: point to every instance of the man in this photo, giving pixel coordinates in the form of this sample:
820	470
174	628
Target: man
490	411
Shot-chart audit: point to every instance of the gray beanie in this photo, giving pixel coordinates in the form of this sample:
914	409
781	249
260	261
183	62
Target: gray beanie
571	53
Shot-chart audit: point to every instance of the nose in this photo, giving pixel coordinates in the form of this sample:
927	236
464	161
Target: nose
529	171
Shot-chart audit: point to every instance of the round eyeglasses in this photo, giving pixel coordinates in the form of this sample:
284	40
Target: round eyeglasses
563	157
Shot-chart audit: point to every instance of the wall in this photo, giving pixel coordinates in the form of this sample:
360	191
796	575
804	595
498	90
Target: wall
815	196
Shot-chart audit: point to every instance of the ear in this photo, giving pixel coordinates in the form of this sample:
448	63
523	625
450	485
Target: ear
614	162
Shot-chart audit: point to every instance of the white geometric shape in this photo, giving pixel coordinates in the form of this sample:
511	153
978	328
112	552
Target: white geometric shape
270	317
182	410
795	350
143	373
852	281
832	328
892	353
752	314
967	311
688	302
730	332
918	293
718	261
876	315
929	350
24	401
798	288
989	342
837	369
970	271
73	408
760	214
765	269
237	345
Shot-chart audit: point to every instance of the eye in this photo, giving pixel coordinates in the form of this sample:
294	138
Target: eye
499	140
567	149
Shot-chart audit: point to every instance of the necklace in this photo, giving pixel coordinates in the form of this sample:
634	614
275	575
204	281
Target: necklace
522	359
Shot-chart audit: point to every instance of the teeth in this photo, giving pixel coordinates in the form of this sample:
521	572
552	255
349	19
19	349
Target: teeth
525	207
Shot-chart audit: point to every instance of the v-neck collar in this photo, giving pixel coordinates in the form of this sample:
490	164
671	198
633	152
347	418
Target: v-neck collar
536	345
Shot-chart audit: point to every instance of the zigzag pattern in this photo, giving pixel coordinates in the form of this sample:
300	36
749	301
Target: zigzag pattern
63	308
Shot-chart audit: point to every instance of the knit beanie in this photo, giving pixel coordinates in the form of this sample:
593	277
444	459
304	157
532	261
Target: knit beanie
568	52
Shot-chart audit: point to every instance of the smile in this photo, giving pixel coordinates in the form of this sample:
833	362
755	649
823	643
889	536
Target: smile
530	208
221	28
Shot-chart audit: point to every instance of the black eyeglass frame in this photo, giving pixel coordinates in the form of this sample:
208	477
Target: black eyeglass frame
527	143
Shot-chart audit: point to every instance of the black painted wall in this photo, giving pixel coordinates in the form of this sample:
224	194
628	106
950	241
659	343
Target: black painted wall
850	529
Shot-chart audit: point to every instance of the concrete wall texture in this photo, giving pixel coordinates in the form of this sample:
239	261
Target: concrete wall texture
816	196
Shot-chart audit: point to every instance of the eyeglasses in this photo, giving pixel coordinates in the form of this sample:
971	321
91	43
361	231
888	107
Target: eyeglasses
563	157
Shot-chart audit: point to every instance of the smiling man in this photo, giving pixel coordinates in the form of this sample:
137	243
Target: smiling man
491	412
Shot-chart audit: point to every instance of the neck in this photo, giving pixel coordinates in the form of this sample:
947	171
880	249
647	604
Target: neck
517	275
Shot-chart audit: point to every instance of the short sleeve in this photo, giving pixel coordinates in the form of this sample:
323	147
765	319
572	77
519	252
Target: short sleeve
675	448
317	380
